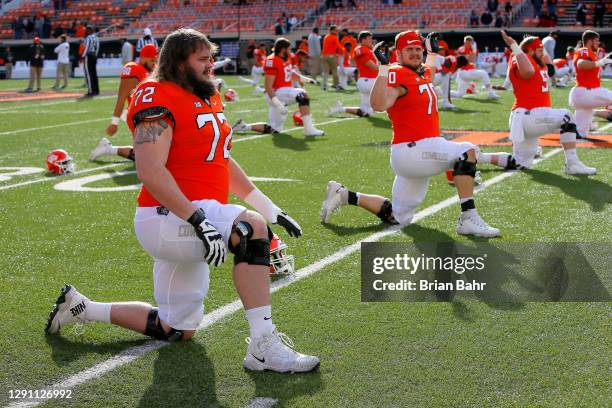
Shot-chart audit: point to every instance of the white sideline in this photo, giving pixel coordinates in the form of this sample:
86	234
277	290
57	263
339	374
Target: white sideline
60	102
243	139
210	318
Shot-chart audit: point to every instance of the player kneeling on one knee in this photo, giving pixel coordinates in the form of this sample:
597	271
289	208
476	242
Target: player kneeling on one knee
417	150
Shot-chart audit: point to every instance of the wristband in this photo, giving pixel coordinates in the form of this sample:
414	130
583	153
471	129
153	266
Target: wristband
516	50
262	203
383	70
115	120
197	217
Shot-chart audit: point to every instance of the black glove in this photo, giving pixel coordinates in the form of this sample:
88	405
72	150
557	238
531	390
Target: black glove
288	223
215	250
381	53
432	42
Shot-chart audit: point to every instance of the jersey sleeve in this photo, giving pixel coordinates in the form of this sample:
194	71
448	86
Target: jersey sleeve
150	102
270	67
398	76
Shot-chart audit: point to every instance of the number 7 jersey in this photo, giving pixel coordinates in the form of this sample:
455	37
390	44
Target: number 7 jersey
201	139
414	115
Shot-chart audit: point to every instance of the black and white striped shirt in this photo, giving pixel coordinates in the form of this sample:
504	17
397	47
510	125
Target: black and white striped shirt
92	45
142	41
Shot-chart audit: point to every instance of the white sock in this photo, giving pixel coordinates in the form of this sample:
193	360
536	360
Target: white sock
463	200
248	127
113	150
571	156
98	312
502	158
308	125
260	321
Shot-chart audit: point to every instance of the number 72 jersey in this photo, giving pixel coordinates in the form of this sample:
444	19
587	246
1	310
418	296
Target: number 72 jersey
414	116
198	158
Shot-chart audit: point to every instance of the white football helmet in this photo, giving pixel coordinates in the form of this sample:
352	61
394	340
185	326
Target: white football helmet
280	262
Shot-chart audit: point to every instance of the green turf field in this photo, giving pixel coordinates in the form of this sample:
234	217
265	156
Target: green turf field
458	354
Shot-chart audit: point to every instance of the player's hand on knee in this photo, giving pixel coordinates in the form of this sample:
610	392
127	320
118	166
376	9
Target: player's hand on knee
215	251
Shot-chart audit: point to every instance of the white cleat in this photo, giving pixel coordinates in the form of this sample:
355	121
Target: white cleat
103	149
240	126
258	91
578	168
69	309
275	352
493	96
337	108
470	223
333	200
539	152
313	132
448	105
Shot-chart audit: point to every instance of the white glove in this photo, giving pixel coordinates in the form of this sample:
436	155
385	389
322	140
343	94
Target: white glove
274	215
279	105
215	251
604	61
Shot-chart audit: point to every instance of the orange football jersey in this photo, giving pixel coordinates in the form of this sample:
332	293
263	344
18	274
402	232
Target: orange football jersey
533	92
201	139
468	67
281	69
134	70
364	54
346	59
587	78
414	116
560	62
453	64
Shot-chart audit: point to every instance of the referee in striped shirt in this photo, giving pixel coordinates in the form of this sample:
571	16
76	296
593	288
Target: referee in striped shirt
90	53
146	39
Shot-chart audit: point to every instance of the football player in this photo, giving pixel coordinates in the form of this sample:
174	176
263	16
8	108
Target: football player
467	73
368	70
346	66
532	115
259	58
280	93
588	94
131	75
183	220
418	152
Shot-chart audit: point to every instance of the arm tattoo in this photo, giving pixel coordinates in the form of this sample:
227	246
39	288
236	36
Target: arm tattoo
148	132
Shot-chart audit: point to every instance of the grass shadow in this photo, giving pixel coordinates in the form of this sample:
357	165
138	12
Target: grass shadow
593	192
285	387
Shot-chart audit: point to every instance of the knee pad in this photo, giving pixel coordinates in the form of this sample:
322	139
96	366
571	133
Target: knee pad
268	129
464	168
131	155
386	213
249	250
302	99
155	329
569	132
361	113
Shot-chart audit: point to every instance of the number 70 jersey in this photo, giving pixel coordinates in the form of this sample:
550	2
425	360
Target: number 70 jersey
201	139
414	116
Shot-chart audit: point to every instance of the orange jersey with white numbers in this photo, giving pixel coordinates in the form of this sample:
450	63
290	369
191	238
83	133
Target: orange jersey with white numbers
201	139
587	78
364	54
281	69
134	70
414	116
532	92
259	56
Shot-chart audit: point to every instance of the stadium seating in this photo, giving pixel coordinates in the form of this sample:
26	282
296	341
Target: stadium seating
105	14
216	16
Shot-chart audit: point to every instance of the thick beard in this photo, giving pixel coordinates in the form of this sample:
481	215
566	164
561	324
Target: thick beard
538	61
202	89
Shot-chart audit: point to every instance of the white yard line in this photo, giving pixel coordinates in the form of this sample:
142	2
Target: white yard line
81	122
36	105
237	140
209	319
